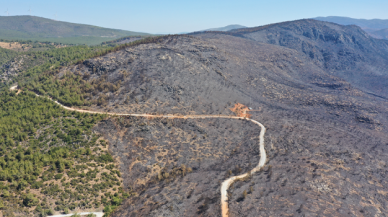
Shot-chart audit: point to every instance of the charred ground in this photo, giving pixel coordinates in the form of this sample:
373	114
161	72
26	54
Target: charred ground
318	87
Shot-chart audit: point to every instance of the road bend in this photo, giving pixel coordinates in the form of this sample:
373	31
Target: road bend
225	184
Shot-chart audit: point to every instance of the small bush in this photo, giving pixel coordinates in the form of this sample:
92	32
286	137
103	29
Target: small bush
58	176
105	158
29	200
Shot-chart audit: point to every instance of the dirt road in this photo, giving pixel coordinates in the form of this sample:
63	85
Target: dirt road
226	184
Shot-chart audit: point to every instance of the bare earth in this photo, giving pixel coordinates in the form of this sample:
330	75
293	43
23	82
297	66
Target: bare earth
13	46
225	185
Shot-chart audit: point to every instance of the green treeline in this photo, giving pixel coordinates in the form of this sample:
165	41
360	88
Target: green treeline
50	159
37	62
73	89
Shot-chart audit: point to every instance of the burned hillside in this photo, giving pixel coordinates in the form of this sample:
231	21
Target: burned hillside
326	133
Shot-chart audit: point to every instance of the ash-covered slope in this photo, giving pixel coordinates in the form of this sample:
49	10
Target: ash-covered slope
344	51
204	76
326	138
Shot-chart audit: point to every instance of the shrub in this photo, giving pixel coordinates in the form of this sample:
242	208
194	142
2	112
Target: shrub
105	158
37	185
58	176
29	200
50	212
107	210
38	208
22	185
116	201
5	193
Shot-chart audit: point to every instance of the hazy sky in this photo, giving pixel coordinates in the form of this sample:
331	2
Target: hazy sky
173	16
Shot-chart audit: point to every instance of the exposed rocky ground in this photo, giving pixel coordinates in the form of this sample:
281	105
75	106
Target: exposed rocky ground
319	88
344	51
11	68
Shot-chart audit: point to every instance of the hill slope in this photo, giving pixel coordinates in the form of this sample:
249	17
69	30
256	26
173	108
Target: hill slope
382	33
326	134
375	27
42	29
346	51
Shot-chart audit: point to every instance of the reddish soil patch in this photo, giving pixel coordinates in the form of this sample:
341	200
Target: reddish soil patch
241	110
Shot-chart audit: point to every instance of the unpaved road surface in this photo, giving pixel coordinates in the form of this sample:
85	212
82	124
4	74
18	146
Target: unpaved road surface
226	184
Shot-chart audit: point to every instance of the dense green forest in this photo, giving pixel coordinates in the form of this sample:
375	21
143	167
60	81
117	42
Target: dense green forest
36	62
51	161
45	57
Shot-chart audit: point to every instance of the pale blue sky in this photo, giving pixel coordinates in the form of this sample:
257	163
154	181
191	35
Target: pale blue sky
173	16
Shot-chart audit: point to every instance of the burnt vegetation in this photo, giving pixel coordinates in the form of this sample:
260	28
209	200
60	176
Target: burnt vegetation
319	88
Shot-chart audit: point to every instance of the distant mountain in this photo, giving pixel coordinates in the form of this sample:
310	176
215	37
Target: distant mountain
346	51
375	24
377	28
383	33
43	29
226	28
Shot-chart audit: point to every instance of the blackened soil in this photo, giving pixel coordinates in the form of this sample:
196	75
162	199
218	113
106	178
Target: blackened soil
326	130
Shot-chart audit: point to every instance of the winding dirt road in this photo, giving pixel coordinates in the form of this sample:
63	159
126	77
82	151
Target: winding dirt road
226	184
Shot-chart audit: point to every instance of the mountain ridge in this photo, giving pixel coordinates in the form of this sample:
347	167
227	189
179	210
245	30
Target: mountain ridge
377	28
308	82
332	46
322	126
225	28
39	28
